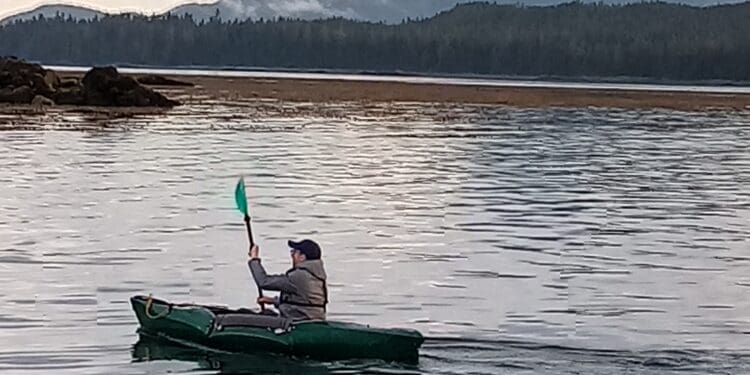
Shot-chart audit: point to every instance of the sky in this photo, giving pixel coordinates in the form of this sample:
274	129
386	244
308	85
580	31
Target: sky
8	7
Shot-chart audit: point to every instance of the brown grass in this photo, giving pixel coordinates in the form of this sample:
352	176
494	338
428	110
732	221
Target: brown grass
322	91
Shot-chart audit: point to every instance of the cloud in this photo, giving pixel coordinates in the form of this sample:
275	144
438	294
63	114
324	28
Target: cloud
307	9
239	9
298	6
370	10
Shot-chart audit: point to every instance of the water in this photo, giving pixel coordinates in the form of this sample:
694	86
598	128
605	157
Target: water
518	240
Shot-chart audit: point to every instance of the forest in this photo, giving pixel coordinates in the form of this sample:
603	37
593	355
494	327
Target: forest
654	40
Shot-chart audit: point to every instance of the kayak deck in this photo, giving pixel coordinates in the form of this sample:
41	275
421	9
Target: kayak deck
243	331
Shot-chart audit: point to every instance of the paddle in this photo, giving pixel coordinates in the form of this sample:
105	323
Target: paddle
241	199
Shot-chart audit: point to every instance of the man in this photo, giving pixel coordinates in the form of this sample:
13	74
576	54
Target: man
304	294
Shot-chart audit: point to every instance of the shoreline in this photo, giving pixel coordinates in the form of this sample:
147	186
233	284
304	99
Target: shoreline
309	97
332	90
615	83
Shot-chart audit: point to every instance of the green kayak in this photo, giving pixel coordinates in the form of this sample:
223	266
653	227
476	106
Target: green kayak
244	331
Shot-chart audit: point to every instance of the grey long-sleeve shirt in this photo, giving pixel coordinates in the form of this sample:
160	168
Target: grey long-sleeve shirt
304	293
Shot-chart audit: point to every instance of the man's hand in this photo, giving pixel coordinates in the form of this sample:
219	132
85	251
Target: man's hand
266	301
254	252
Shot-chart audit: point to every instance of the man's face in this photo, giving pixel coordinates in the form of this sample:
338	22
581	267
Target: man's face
297	257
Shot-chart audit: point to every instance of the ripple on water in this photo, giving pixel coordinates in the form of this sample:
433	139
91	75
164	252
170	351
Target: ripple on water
592	228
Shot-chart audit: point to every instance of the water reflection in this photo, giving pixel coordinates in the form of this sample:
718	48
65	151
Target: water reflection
586	228
149	349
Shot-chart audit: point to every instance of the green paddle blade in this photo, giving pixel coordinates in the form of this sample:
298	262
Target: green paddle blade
239	196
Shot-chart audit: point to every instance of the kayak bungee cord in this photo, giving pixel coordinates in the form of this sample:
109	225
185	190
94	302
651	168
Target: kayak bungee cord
160	315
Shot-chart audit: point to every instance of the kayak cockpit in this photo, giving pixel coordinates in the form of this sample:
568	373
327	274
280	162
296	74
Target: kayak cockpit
274	323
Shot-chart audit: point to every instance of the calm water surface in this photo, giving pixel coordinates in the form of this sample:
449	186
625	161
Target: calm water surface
520	241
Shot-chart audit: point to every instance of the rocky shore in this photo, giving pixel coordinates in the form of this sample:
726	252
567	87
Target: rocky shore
22	82
107	93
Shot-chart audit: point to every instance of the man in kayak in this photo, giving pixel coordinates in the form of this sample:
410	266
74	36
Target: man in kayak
304	294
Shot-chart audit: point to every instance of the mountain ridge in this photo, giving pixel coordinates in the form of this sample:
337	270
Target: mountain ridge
388	11
77	12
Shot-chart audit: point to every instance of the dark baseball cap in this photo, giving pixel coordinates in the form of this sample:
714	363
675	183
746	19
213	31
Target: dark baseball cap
307	247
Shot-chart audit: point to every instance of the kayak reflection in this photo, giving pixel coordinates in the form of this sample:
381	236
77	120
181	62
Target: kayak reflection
149	348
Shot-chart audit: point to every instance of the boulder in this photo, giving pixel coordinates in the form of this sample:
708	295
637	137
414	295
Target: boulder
107	79
39	85
52	80
40	100
21	81
70	96
18	95
156	80
68	83
19	67
6	79
107	87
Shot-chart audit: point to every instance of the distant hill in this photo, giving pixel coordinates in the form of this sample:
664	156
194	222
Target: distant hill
49	11
389	11
646	41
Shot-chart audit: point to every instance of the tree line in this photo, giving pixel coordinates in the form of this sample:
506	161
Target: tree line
644	40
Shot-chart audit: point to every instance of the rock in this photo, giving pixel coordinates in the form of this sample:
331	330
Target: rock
107	87
6	79
42	100
18	95
52	79
39	102
156	80
39	85
70	96
68	83
17	73
21	81
105	80
20	67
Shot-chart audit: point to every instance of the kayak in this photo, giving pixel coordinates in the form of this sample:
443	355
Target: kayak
245	331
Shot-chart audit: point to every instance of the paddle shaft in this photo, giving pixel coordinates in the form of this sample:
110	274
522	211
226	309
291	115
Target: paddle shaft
252	243
249	230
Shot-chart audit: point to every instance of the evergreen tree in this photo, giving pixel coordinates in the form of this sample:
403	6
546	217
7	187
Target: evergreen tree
650	40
